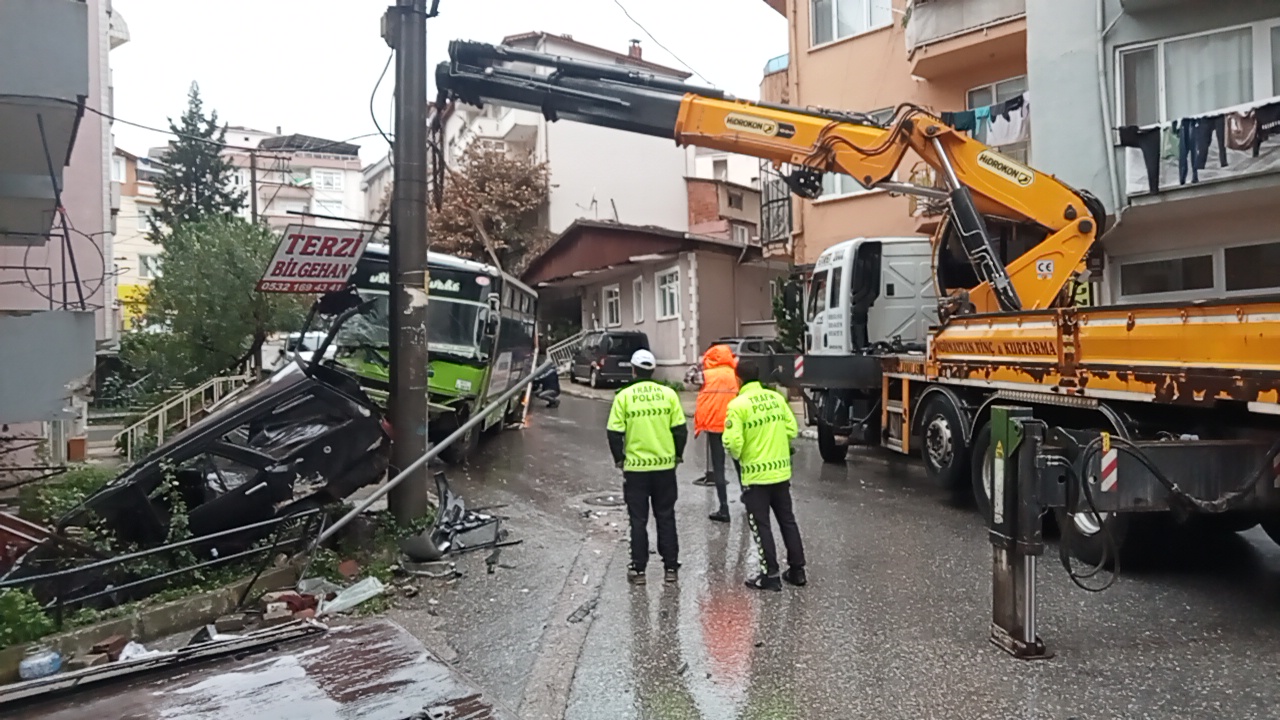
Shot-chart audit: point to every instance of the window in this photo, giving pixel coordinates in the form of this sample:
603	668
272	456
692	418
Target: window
237	178
117	169
835	288
720	169
144	219
817	294
1167	276
835	19
612	306
149	266
322	179
1192	74
993	94
837	184
667	286
327	207
637	300
741	234
735	200
498	146
1252	267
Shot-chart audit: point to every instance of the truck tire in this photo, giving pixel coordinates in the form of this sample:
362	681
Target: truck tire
1229	522
830	450
980	473
1087	541
942	447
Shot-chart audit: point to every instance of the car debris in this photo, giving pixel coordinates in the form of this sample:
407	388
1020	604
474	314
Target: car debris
456	529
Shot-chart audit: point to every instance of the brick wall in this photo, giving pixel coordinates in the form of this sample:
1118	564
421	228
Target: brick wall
704	201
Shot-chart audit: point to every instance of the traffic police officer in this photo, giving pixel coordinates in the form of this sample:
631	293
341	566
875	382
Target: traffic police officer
758	430
647	435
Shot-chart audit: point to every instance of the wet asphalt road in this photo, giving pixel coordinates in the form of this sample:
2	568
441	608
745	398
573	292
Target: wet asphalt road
894	622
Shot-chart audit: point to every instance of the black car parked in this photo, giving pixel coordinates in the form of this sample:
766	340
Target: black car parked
604	358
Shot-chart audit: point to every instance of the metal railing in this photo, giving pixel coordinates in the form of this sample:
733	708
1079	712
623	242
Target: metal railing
562	352
180	411
310	523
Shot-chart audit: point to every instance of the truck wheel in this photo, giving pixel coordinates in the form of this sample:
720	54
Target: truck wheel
1087	539
945	455
1227	523
980	474
828	448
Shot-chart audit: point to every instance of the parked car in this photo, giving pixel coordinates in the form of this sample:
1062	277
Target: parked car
604	358
747	346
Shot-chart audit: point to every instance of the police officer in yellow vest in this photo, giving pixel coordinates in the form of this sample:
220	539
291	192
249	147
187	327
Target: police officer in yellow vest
647	435
758	431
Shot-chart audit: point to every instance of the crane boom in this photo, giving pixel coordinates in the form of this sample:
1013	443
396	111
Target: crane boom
978	179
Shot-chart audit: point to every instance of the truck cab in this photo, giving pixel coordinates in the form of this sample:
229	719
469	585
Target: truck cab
869	290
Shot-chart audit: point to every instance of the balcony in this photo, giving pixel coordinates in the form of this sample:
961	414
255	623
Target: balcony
1243	172
951	37
779	5
38	88
775	86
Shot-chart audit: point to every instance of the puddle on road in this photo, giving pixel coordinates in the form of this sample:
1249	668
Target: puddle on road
373	671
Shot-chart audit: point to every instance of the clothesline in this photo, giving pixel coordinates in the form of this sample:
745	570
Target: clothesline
1241	108
1003	123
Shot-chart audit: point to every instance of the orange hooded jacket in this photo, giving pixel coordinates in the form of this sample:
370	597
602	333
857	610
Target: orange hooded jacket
719	386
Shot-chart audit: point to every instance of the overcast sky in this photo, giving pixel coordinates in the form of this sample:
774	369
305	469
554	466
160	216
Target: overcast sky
309	66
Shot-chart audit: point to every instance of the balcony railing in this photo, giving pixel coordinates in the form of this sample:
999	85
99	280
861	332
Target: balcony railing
1177	166
932	21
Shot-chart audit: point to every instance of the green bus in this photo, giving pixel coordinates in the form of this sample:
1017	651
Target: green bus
481	340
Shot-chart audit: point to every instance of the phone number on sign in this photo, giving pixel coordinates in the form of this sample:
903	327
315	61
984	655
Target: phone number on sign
299	287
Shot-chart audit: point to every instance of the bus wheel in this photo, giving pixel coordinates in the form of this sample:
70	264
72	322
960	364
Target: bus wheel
460	450
945	455
830	450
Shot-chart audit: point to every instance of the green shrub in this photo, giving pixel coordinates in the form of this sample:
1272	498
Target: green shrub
46	501
21	619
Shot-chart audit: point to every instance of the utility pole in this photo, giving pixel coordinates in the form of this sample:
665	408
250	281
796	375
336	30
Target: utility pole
253	185
404	28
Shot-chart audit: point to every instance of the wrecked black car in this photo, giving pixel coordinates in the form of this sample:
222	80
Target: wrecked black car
303	438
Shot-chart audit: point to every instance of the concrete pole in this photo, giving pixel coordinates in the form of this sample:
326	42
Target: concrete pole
405	29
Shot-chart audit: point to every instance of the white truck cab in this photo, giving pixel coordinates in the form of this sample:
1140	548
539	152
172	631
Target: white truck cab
869	290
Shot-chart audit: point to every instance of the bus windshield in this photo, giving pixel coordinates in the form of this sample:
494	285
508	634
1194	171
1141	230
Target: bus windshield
453	327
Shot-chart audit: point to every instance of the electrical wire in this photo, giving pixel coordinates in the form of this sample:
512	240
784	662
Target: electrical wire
658	42
373	115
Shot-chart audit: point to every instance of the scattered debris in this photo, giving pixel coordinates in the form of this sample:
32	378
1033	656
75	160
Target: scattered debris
349	569
111	647
366	589
134	651
682	669
584	610
319	587
456	530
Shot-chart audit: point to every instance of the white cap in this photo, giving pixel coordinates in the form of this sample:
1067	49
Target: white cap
644	359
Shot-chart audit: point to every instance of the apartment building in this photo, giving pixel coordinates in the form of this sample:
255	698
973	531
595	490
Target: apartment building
1122	80
298	174
870	56
596	173
137	259
56	215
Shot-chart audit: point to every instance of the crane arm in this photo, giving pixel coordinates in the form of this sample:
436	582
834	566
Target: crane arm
978	180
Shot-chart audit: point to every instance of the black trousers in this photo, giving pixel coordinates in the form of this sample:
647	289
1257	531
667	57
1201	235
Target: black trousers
715	452
760	500
657	489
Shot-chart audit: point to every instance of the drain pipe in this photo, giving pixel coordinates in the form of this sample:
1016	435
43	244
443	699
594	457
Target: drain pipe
1105	106
430	455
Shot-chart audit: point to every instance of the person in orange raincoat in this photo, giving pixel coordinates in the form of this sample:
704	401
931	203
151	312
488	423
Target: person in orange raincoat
719	386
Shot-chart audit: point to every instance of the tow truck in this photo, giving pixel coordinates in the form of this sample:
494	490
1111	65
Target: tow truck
1153	407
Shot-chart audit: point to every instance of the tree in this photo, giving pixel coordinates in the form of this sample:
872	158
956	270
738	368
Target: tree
196	183
508	193
204	303
788	314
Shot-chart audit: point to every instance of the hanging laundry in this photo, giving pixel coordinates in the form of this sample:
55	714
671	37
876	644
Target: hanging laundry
1187	159
1242	130
1148	141
963	120
1205	129
1268	125
1169	143
981	123
1009	122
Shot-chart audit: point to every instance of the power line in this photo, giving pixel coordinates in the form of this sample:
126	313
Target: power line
194	138
373	115
658	42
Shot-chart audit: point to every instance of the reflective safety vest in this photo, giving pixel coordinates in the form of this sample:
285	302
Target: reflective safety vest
645	412
758	431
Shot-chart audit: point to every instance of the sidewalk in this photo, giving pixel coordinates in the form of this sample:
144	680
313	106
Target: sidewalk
688	399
